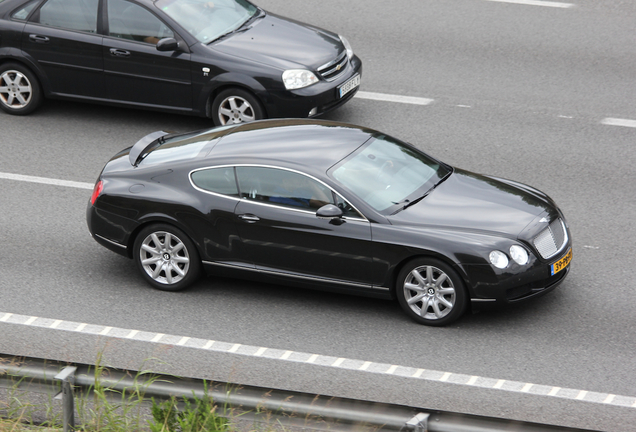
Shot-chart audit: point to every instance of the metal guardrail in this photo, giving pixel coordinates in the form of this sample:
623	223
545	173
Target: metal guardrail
64	380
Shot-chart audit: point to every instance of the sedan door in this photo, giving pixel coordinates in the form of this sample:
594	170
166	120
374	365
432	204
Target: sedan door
62	38
281	233
135	71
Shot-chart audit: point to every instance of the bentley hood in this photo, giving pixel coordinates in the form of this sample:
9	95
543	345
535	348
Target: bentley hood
471	202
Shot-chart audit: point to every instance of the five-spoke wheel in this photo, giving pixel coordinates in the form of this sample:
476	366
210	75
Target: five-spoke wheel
234	105
166	257
431	292
19	89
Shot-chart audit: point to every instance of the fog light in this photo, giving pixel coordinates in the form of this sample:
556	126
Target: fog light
313	112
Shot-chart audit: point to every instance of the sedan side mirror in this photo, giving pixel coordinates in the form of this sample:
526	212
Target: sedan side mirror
167	44
330	211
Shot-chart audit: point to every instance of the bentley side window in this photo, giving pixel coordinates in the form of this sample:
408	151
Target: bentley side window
130	21
217	180
282	187
69	14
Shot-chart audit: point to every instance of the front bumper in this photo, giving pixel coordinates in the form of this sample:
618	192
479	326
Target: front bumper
494	291
312	101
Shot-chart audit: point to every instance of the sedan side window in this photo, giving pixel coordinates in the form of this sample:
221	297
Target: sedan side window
282	187
130	21
69	14
23	13
217	180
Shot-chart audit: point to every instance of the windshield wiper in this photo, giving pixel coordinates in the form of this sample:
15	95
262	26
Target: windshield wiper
427	193
243	27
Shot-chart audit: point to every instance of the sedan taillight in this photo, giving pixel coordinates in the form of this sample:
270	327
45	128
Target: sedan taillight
99	186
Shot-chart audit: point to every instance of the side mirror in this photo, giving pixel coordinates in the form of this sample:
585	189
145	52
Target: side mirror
330	211
167	44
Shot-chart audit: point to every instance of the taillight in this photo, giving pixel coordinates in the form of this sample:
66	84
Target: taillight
97	191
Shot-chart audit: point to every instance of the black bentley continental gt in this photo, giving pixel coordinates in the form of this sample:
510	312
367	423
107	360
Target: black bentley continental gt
225	59
330	206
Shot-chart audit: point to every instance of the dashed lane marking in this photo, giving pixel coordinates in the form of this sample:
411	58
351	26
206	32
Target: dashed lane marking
619	122
394	98
536	3
46	181
320	360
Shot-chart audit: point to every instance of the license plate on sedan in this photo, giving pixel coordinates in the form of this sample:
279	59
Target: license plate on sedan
561	264
348	86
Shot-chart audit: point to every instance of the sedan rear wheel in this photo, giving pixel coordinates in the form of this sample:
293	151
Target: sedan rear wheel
431	292
19	89
234	105
166	257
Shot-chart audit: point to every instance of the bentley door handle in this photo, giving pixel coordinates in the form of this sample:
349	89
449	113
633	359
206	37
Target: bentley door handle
249	218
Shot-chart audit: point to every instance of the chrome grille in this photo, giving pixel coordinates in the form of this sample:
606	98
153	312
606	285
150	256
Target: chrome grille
552	239
333	69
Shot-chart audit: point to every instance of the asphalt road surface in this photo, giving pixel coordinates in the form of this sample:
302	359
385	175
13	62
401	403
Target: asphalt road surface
543	94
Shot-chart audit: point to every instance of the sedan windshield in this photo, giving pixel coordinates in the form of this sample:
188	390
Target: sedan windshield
208	20
387	174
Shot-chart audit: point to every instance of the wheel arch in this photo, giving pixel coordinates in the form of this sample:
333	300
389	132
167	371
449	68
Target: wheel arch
234	80
29	63
157	219
430	255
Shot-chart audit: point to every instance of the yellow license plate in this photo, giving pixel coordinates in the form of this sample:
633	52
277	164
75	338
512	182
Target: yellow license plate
561	264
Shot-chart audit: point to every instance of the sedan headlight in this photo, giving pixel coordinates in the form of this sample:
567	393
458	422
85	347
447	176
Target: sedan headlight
498	259
519	254
298	78
347	46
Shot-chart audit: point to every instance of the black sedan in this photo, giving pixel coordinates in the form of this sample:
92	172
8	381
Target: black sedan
225	59
330	206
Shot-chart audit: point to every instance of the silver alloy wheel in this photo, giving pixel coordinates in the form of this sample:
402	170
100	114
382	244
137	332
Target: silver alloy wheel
429	292
235	109
164	257
15	89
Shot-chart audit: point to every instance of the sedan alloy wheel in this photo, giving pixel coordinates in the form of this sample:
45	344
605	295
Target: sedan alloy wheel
236	106
19	90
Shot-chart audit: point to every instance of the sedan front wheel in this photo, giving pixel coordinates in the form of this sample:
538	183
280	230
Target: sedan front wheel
431	292
234	105
166	257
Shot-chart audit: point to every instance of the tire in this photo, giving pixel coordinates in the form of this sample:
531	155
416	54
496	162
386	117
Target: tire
431	292
20	91
234	105
166	257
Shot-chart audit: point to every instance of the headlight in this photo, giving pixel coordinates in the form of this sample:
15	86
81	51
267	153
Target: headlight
298	78
498	259
347	46
519	254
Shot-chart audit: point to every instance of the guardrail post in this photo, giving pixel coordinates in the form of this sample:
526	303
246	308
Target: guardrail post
67	376
419	423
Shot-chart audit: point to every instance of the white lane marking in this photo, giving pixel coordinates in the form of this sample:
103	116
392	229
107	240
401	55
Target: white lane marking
56	323
324	361
619	122
537	3
581	395
383	97
208	345
47	181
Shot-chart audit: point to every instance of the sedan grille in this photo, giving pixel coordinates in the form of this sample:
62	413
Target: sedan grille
333	69
552	239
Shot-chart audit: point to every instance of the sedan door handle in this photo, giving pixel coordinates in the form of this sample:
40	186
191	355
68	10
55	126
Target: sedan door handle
119	52
38	39
249	218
